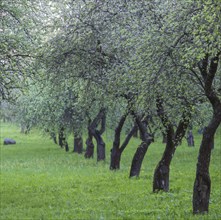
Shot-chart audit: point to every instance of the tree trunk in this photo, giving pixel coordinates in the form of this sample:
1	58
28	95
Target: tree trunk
202	184
101	116
53	137
190	139
117	151
90	149
61	138
115	158
164	141
100	146
78	144
138	159
147	139
66	146
162	171
135	135
90	146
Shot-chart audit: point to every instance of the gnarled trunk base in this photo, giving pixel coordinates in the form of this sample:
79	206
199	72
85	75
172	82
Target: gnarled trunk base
100	146
90	149
201	193
78	145
115	159
138	159
161	178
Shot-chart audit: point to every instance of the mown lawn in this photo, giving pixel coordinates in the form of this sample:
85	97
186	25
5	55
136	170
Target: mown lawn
41	181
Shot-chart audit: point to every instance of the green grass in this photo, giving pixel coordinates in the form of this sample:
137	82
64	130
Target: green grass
41	181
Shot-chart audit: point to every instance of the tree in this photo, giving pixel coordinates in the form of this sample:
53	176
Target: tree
198	51
20	38
147	138
118	148
161	173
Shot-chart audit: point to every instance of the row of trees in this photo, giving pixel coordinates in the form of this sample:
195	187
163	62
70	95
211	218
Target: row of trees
81	65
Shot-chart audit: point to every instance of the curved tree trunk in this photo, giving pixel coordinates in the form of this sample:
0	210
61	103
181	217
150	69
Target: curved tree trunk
202	185
100	146
162	171
115	151
78	144
147	139
138	159
93	132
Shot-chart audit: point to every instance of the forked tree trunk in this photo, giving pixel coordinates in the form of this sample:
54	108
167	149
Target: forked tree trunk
78	144
93	132
162	171
117	150
98	134
139	155
202	184
100	146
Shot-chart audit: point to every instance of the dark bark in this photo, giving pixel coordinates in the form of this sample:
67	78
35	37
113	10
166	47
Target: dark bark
61	138
115	151
90	146
202	183
118	149
53	137
139	155
66	146
190	139
94	132
164	141
78	144
162	171
138	159
100	146
115	158
135	134
97	135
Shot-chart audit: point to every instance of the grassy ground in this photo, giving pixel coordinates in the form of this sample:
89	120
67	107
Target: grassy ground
41	181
